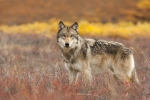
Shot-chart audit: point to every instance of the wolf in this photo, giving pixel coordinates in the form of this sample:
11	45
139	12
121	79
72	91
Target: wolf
90	56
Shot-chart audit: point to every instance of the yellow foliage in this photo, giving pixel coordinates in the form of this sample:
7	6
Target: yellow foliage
144	4
121	29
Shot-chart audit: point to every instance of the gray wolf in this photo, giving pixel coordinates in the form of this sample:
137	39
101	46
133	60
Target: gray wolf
90	56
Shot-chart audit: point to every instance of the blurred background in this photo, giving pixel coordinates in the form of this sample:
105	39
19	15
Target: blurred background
125	18
15	12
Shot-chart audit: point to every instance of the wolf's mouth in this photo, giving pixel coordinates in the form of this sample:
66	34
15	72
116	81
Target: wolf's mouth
67	47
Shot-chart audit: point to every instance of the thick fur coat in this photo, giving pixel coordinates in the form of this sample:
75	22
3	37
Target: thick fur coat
90	56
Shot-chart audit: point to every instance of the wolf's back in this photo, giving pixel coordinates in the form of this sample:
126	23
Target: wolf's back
99	47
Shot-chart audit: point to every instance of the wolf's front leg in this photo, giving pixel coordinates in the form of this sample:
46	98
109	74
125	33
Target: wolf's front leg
73	76
87	75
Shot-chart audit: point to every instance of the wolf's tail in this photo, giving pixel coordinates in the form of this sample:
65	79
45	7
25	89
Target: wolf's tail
134	77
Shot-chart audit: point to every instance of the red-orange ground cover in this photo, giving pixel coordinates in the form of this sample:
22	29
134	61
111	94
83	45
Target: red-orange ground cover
31	68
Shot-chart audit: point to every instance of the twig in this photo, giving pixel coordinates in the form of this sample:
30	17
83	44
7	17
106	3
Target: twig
88	95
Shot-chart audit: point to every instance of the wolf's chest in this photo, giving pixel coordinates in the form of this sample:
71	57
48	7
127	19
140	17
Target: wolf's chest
67	56
74	66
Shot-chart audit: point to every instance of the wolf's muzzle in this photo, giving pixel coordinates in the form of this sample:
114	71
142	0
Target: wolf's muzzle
67	44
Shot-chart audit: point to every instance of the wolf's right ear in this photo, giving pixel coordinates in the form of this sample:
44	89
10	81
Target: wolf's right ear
61	25
75	26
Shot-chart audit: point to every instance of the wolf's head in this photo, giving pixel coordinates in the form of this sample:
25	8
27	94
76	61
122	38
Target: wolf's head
67	37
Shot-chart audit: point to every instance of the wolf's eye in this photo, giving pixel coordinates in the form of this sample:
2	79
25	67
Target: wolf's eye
71	36
63	36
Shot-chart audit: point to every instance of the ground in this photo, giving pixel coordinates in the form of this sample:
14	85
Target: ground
31	68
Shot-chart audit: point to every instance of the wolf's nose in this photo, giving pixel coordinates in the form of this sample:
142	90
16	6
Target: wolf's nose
67	44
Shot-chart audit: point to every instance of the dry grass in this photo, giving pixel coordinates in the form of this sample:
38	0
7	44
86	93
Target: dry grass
31	68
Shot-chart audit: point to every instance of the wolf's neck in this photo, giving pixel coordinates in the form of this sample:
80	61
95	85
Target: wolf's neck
69	54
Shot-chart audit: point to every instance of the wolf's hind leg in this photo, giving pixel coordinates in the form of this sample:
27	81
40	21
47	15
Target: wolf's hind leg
111	70
134	77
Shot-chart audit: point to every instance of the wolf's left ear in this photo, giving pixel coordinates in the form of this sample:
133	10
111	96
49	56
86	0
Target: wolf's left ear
61	25
75	26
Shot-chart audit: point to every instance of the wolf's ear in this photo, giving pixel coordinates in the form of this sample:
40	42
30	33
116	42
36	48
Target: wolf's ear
61	25
75	26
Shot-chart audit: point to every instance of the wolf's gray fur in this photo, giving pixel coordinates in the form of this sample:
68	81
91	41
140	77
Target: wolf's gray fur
89	56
